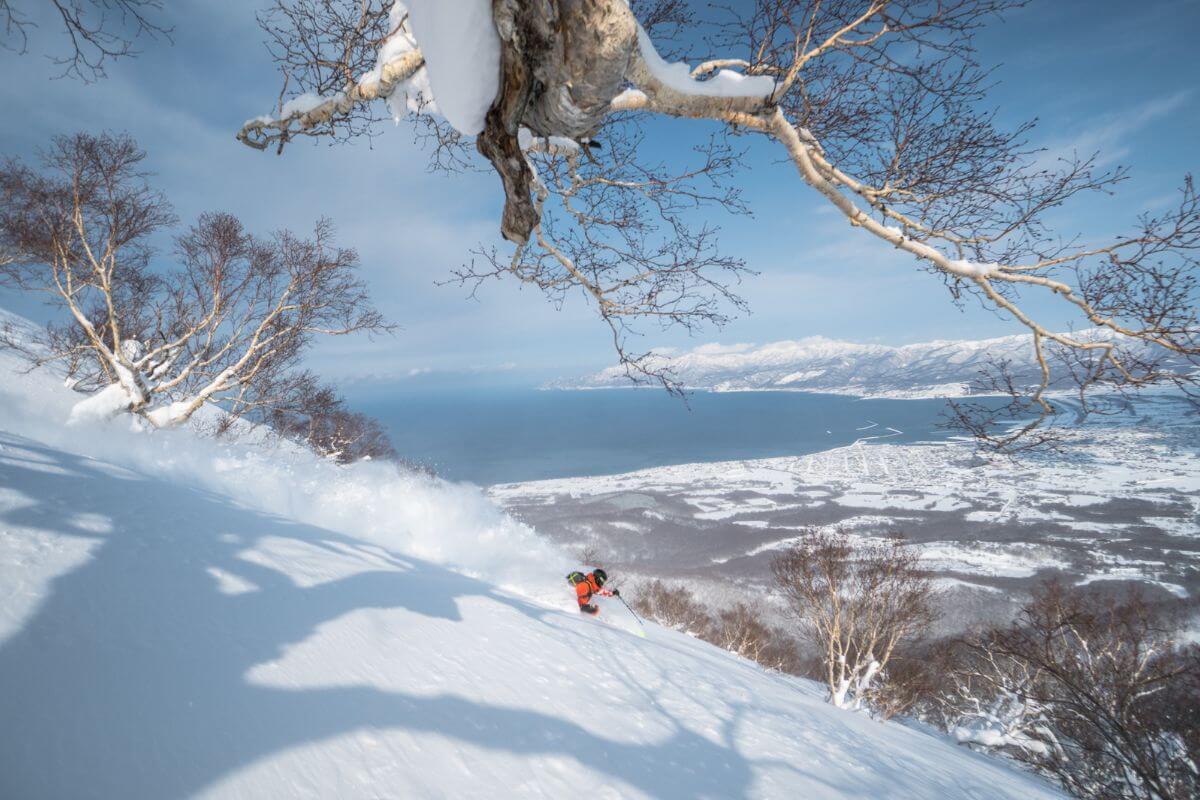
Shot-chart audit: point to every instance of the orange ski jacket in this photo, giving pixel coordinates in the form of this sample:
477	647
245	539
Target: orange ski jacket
586	588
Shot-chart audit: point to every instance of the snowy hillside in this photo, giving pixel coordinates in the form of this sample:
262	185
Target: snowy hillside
185	618
818	364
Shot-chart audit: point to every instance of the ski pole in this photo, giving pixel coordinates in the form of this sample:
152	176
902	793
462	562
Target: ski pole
631	611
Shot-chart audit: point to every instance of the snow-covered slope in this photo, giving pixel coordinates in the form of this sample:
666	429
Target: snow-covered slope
184	618
818	364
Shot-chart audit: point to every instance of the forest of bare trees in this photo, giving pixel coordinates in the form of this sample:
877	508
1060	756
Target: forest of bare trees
1097	690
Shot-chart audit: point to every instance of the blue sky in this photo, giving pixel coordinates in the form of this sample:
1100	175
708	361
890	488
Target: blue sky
1115	76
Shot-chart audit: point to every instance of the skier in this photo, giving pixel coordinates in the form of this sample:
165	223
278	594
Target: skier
588	585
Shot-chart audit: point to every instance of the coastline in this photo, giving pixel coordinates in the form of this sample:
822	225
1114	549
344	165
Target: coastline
1123	507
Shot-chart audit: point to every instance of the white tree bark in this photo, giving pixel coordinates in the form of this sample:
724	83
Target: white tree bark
565	65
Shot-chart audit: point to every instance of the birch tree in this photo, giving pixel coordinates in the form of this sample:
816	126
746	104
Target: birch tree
857	602
875	105
227	326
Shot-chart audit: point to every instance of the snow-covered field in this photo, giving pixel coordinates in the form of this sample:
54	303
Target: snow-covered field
188	618
1122	502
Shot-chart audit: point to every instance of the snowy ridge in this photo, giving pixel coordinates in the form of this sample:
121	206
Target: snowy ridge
819	364
183	617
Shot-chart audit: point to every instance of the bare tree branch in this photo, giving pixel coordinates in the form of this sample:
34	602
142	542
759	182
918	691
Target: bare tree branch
98	31
877	107
1095	691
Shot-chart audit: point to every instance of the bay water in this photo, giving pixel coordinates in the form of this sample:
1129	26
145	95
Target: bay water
505	435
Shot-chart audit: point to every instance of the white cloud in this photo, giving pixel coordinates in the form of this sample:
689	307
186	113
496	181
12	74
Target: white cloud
1108	135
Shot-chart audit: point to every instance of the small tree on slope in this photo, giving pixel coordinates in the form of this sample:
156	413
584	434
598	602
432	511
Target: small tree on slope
857	602
226	327
319	417
876	105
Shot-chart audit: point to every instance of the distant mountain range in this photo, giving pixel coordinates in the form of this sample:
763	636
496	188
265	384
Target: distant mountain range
818	364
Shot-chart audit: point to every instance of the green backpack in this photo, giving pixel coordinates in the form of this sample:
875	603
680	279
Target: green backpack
575	578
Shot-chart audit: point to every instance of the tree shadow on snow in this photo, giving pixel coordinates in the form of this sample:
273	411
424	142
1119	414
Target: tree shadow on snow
130	680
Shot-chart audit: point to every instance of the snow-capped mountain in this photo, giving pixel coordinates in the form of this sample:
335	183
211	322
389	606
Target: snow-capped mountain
183	617
818	364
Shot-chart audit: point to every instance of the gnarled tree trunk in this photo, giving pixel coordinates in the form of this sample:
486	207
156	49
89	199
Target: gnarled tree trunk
561	64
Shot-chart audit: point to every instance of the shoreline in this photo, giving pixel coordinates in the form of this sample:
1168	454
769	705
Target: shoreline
1121	507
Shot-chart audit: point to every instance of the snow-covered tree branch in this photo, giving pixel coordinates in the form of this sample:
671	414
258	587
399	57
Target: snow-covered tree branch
875	104
1093	690
227	327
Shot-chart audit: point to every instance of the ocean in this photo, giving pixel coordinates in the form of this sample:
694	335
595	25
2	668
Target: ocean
511	435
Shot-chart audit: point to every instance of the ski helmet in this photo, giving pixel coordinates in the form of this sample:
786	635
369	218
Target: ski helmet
601	577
